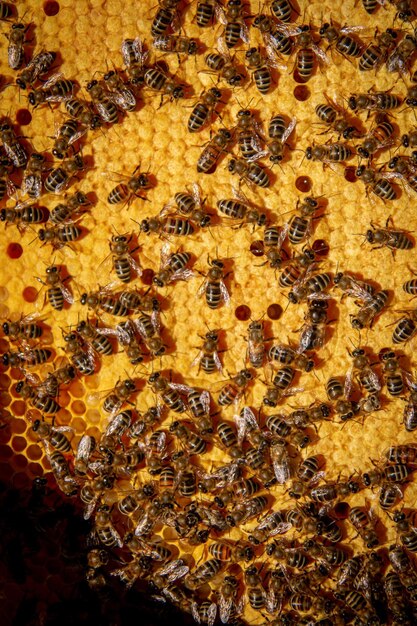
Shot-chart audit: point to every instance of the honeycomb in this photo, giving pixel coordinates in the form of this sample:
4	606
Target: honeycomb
153	138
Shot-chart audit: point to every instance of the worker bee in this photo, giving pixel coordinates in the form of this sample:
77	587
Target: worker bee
55	89
222	64
123	262
300	225
61	471
59	235
15	49
392	372
378	183
256	343
259	66
168	392
118	93
160	81
172	267
134	58
72	207
206	11
104	528
6	185
336	118
308	52
57	294
364	523
281	382
276	39
282	10
286	355
240	208
190	204
103	103
96	337
208	357
59	178
81	356
233	19
377	52
82	112
32	175
309	286
363	371
165	17
120	394
13	148
149	329
204	109
26	328
27	357
340	39
213	286
251	173
54	435
22	215
105	300
127	192
204	613
35	69
193	443
313	331
375	101
388	237
367	313
85	449
36	394
211	154
175	44
235	388
405	169
329	153
279	131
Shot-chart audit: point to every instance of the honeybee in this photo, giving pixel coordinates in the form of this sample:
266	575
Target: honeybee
206	11
54	435
167	225
211	154
239	208
165	17
367	313
26	357
123	262
405	169
96	337
329	153
127	192
233	19
256	343
336	118
134	58
81	356
15	49
107	301
59	178
26	328
364	522
340	39
172	267
388	237
339	394
286	355
190	204
213	286
104	528
82	112
57	293
364	373
37	67
307	54
103	103
276	39
119	93
59	235
400	59
233	390
13	148
175	44
378	183
160	81
149	330
310	286
168	392
85	449
34	392
222	64
120	394
61	471
22	215
259	66
204	613
279	130
251	173
208	357
375	101
204	109
392	372
55	89
377	52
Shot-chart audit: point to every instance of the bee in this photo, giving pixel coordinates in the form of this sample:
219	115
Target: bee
407	532
248	136
329	153
208	357
336	118
59	178
392	372
404	169
280	384
256	343
300	225
260	68
403	566
211	154
55	89
206	10
59	235
388	237
282	10
15	49
400	59
81	111
191	205
36	396
340	39
123	262
13	148
222	64
165	17
103	103
276	39
134	58
213	286
57	294
61	471
307	53
118	93
104	528
378	183
149	330
6	185
158	80
85	449
204	109
378	139
375	101
309	286
279	131
234	20
81	356
246	509
26	328
204	613
233	390
168	392
227	596
239	208
32	175
364	523
120	394
410	139
173	267
54	435
103	299
127	192
286	355
27	357
256	594
175	44
96	337
37	67
169	225
251	173
193	443
299	265
22	215
377	52
364	373
367	313
371	6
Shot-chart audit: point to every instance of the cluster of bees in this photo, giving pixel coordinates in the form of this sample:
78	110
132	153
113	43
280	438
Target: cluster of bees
213	504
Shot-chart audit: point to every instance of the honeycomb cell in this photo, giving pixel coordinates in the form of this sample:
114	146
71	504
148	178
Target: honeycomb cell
92	382
4	294
30	294
6	470
4	382
19	462
79	425
34	453
4	311
19	426
78	407
14	250
21	480
19	443
33	469
77	389
64	417
92	416
51	8
23	117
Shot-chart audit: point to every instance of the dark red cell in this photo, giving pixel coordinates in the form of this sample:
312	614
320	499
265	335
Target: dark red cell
274	311
14	250
320	247
243	313
23	117
303	183
257	248
51	8
350	175
147	276
301	93
30	294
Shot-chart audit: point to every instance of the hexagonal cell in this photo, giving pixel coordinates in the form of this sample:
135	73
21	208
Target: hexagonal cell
19	462
93	416
79	425
78	407
34	453
19	443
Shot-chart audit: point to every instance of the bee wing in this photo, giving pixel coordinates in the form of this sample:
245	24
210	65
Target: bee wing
88	511
244	33
197	359
123	335
289	129
195	613
184	274
67	294
348	383
205	400
351	29
260	154
165	254
195	192
156	322
211	614
202	288
279	458
217	361
63	429
321	55
225	608
11	189
225	293
52	80
85	447
281	529
273	602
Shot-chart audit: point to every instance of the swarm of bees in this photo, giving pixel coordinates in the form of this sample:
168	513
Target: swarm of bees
210	480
